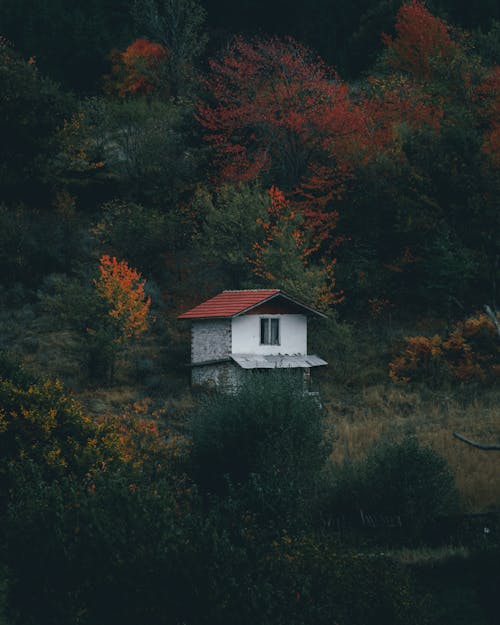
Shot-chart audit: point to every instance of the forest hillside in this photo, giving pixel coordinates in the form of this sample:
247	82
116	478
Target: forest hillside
154	153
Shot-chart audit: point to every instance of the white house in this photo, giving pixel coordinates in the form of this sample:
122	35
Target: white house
254	329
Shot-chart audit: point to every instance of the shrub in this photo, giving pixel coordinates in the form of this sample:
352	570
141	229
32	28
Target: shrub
471	352
421	360
315	582
267	437
113	547
41	422
398	479
124	549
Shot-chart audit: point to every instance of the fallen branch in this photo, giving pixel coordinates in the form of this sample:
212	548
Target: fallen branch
482	446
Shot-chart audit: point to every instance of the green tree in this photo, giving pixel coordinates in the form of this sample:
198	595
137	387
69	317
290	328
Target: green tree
70	41
150	150
32	110
287	255
230	221
179	26
35	243
143	235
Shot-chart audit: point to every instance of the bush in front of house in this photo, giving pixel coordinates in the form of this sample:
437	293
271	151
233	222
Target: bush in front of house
266	440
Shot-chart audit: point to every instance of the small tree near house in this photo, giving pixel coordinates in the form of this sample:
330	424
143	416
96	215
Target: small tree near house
106	313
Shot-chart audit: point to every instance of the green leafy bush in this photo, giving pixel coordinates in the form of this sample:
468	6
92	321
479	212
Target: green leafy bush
41	422
398	479
112	548
267	437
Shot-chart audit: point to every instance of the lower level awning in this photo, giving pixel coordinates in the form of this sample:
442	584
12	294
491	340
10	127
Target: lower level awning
255	361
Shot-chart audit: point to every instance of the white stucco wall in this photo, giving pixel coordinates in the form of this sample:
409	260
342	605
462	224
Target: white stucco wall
246	335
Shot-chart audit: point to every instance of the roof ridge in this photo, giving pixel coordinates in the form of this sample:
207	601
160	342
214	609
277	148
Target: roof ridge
248	290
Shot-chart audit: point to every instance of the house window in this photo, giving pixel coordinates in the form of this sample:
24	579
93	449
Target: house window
269	331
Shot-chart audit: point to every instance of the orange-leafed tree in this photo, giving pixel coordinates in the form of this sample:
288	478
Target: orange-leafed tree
488	102
122	288
140	69
106	313
120	314
275	112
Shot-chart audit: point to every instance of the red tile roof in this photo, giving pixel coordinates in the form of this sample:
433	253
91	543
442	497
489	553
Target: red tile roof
228	304
232	303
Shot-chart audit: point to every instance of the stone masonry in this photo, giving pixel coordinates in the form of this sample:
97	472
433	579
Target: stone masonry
210	340
225	375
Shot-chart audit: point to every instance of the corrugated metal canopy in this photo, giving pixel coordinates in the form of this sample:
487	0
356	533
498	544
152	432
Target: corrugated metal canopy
285	361
233	303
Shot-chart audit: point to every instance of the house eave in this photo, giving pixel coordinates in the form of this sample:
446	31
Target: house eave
279	361
218	361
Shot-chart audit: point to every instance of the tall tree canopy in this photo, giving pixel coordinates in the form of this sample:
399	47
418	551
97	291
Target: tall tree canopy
276	113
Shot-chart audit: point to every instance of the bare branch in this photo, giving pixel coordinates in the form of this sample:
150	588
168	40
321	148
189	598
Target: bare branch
493	318
475	444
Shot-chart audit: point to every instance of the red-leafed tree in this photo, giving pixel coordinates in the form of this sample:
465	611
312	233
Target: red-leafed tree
422	41
275	112
389	102
488	99
140	69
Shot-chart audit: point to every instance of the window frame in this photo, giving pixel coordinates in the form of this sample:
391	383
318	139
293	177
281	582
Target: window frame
267	333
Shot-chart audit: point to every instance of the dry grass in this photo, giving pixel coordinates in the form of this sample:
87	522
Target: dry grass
359	418
427	555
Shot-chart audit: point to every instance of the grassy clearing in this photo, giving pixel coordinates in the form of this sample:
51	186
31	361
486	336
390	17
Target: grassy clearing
363	405
359	418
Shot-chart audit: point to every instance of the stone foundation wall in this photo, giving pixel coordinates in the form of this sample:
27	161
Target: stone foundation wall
229	375
223	375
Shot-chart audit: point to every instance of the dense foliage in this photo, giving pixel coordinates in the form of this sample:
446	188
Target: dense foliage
382	190
346	152
268	441
125	536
